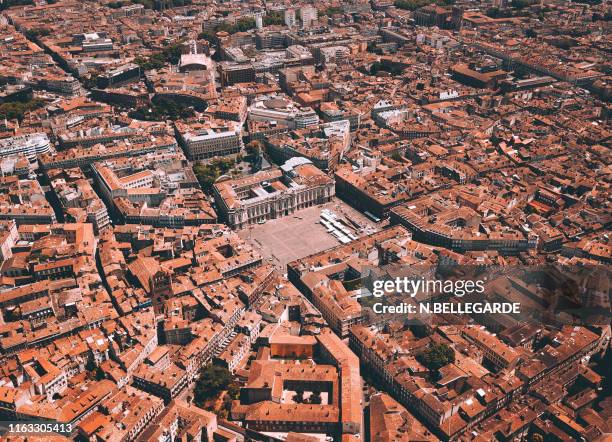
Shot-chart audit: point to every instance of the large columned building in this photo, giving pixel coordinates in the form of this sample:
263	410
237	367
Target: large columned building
272	193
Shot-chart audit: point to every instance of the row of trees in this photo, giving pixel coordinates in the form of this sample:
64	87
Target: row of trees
315	398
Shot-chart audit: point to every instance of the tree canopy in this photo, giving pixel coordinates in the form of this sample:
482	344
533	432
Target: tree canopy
207	174
18	109
520	4
170	54
385	66
162	110
412	5
37	32
241	25
274	18
150	4
212	381
8	3
437	356
331	10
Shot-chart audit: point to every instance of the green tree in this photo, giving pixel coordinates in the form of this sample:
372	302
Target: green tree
207	174
17	109
437	356
420	331
170	54
315	398
209	36
8	3
386	66
163	110
212	381
90	365
397	156
243	24
409	5
520	4
254	148
492	12
412	5
34	33
90	82
149	63
233	391
298	397
331	10
160	4
274	18
374	68
99	374
116	5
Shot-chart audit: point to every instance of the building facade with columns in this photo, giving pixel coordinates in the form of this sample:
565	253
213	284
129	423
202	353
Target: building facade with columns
274	193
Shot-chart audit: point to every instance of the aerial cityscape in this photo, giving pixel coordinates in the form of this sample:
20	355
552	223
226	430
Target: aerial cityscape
305	221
